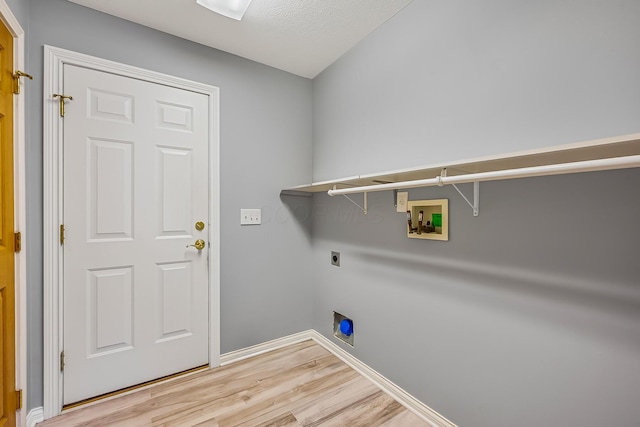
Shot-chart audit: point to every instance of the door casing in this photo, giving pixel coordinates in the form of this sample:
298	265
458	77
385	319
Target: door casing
54	60
20	219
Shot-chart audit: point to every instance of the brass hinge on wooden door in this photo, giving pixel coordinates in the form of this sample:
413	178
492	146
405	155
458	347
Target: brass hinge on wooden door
16	80
18	400
17	242
62	234
62	361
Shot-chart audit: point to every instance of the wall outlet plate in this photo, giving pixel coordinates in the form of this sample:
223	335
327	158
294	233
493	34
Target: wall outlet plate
335	258
401	201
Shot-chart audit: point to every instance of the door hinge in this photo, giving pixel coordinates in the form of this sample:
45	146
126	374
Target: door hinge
62	361
17	242
62	234
61	101
16	80
18	400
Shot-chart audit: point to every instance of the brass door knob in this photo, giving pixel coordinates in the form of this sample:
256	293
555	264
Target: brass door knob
199	245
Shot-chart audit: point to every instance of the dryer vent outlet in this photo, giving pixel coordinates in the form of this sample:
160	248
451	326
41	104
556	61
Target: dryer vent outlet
343	328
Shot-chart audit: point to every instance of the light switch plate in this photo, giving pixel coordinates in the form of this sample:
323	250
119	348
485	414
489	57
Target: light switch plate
401	201
250	216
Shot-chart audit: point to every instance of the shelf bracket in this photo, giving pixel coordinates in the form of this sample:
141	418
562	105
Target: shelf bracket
476	192
476	197
362	208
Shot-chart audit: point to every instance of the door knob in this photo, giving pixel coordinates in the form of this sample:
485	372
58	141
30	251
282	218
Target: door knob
199	245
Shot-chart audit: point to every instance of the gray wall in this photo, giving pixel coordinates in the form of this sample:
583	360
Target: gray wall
533	306
530	314
19	9
265	146
446	80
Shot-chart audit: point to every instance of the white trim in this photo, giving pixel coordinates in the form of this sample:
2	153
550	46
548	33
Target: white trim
523	172
245	353
54	60
214	229
36	415
599	149
20	219
408	401
52	380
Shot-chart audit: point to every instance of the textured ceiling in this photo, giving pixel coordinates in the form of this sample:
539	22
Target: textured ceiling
300	36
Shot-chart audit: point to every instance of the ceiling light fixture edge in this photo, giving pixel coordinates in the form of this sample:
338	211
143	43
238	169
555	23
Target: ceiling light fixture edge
234	9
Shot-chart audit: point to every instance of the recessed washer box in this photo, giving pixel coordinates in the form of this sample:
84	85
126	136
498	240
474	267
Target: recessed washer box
429	219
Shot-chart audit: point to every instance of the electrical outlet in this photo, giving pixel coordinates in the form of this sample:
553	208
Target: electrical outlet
250	216
402	201
335	258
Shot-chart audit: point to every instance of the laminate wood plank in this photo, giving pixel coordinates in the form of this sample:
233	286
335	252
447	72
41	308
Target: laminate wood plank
338	399
371	411
210	423
197	416
284	420
248	392
232	386
296	386
307	386
271	364
197	389
405	418
79	415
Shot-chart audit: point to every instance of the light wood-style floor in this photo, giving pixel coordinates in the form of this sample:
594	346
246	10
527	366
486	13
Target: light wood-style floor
299	385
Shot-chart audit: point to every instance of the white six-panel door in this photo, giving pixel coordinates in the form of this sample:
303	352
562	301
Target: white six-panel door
135	184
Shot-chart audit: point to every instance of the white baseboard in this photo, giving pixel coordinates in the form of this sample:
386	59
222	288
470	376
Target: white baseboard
36	415
404	398
255	350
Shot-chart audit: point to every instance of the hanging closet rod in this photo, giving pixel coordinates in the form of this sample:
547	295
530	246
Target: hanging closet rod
557	169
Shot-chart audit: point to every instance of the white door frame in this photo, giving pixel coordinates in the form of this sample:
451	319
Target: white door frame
54	60
20	209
